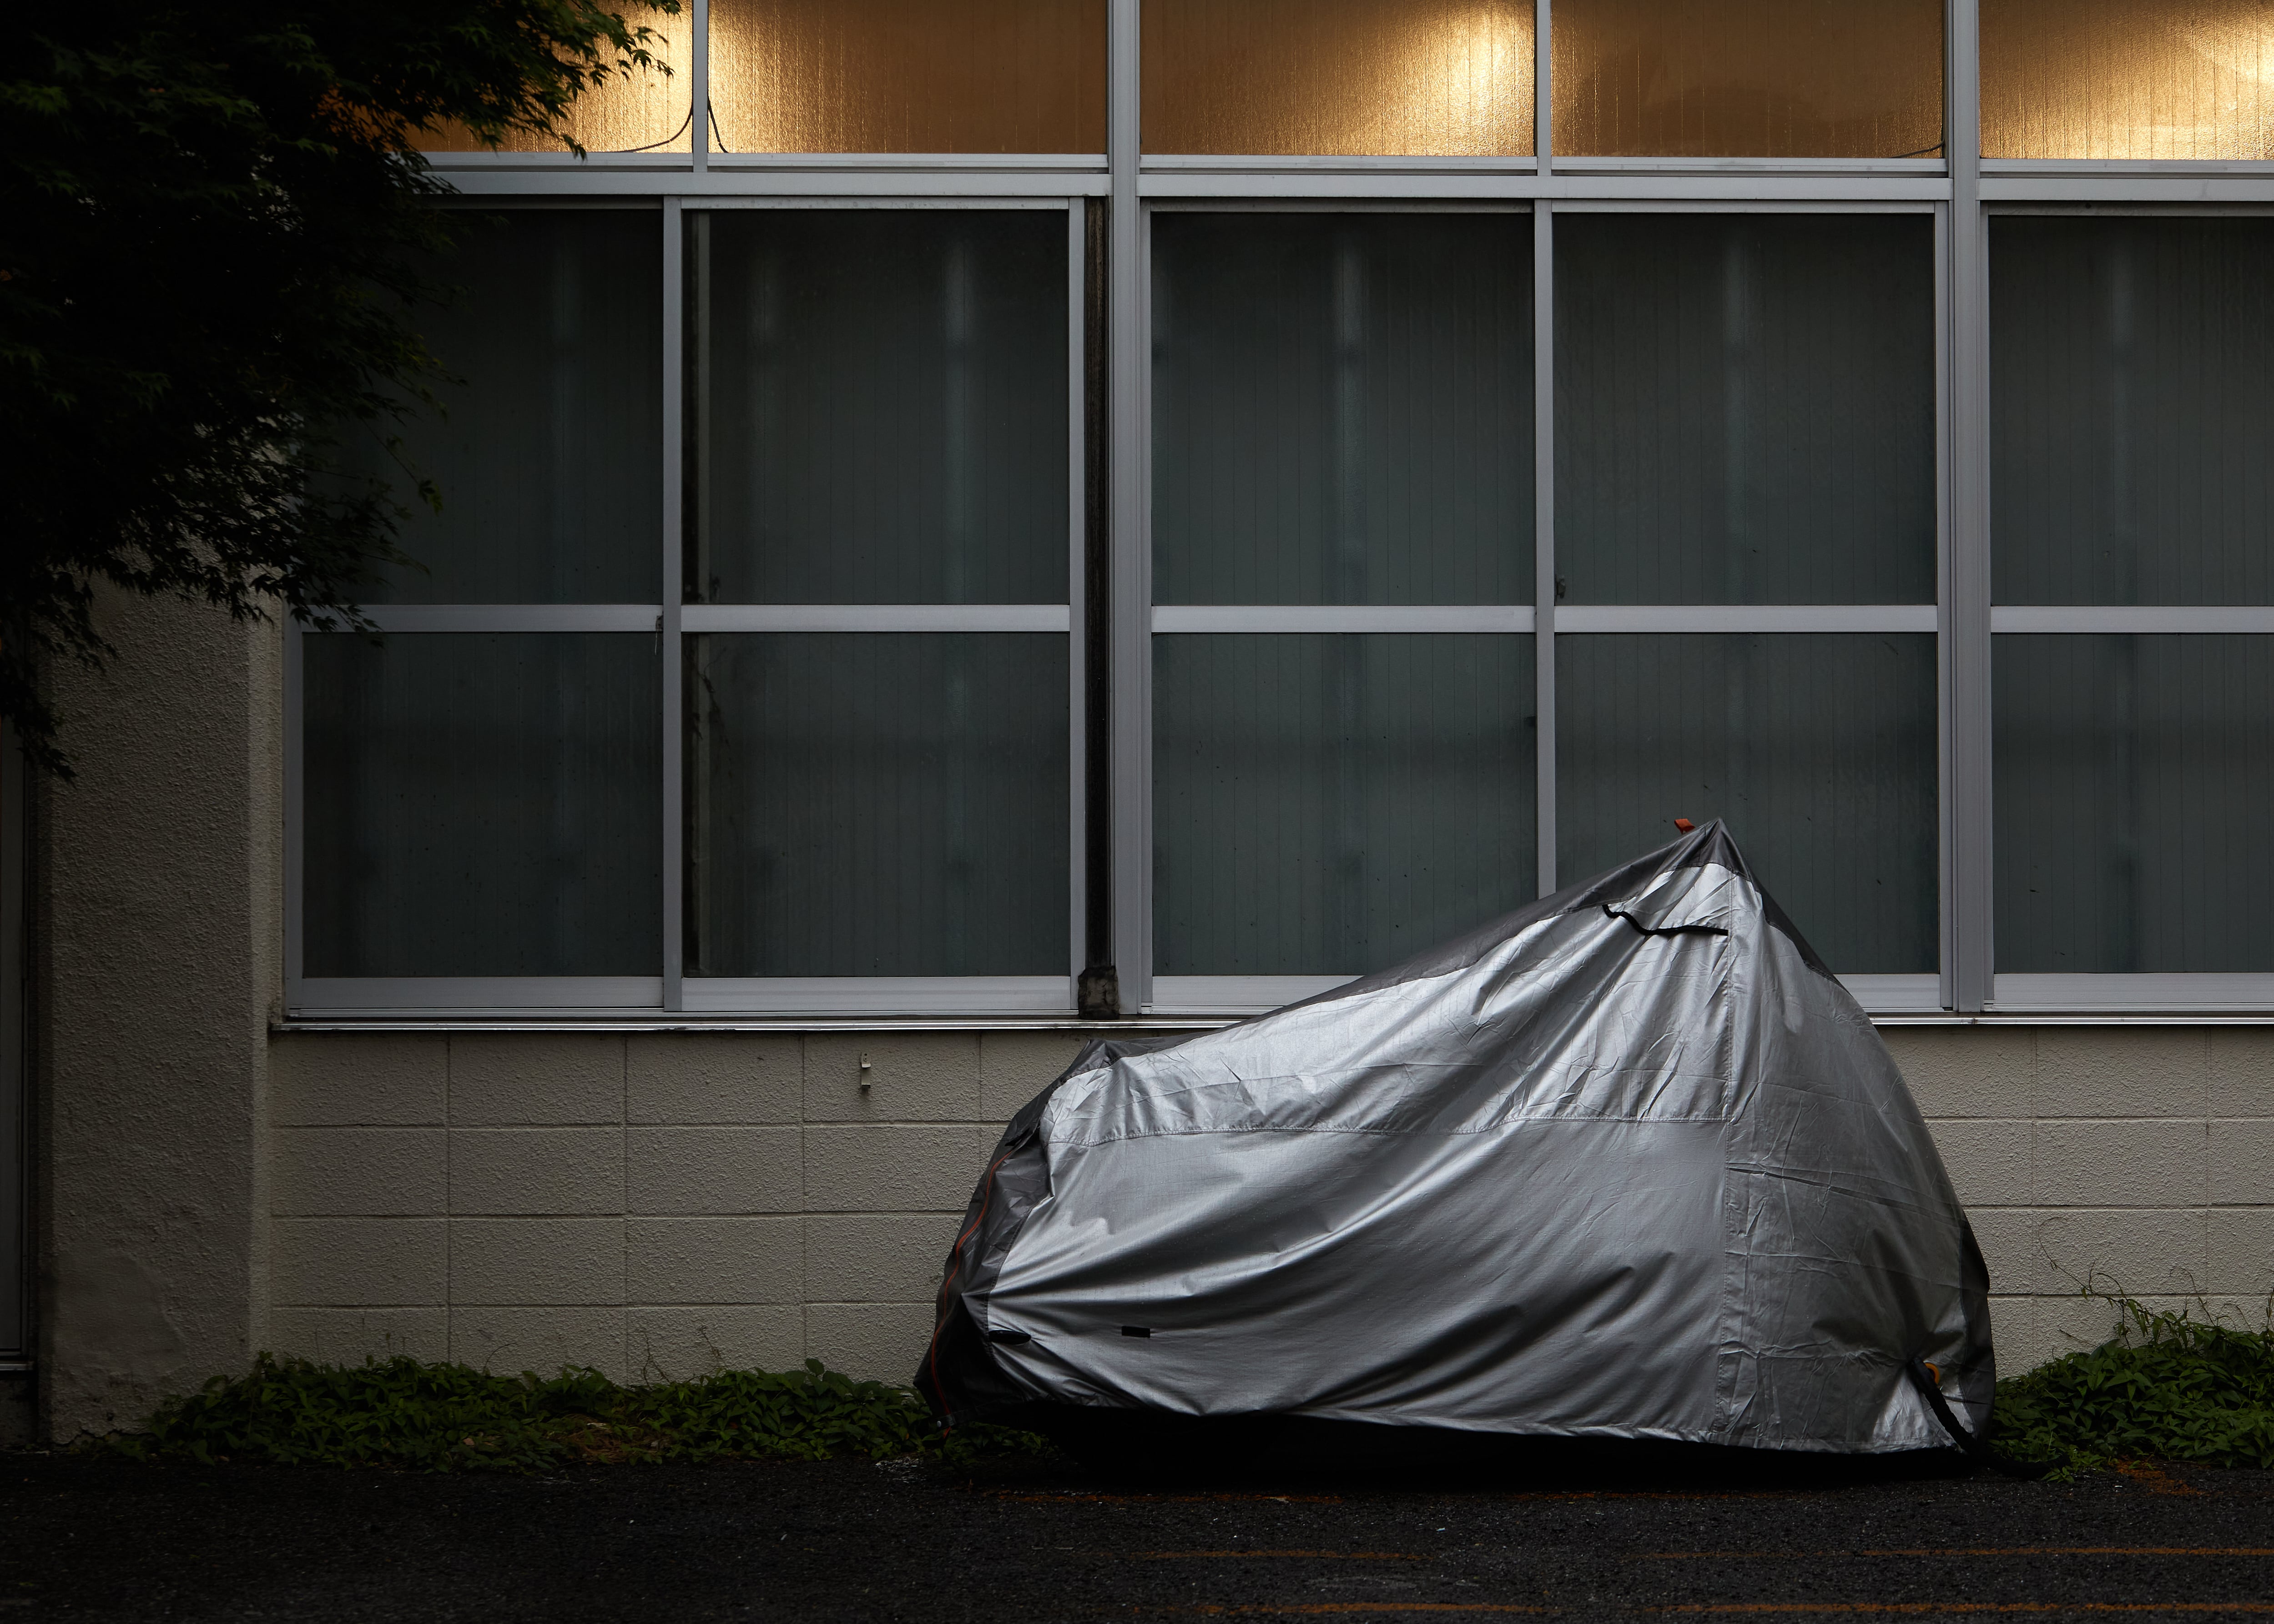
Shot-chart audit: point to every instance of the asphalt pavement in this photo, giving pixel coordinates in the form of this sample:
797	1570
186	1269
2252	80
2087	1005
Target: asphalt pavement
84	1540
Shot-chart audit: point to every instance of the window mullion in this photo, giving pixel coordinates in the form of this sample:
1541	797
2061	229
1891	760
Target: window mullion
1543	526
1132	581
698	116
1543	100
1966	646
1543	444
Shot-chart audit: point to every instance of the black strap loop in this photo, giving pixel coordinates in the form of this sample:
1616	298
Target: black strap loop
1976	1448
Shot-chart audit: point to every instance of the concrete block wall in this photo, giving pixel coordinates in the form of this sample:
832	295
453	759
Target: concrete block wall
652	1205
2140	1159
665	1204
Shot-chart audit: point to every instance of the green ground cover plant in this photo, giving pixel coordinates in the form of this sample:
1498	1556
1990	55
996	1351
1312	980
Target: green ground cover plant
405	1414
2167	1386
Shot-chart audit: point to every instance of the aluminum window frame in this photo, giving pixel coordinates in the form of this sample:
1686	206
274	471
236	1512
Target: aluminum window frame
2121	187
1963	191
671	993
1047	994
388	997
1544	619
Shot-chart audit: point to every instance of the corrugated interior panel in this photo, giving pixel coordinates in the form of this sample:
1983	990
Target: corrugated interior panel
880	406
483	804
2112	80
2132	385
1749	78
2134	774
1342	409
547	461
1745	409
1817	749
908	76
877	804
1437	78
1331	804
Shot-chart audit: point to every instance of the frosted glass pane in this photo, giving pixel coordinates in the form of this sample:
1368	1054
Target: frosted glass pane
637	111
877	804
2133	779
880	407
1437	78
2132	391
550	459
1745	409
1342	409
2127	78
879	76
1749	78
1326	805
1820	750
483	805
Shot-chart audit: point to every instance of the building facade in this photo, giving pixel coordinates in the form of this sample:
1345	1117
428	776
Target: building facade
972	523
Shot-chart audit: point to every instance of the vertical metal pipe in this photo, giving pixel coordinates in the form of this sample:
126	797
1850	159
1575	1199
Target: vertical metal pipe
15	1094
1343	875
1078	809
1543	444
1098	993
959	335
1543	524
569	376
1946	912
1742	656
1126	395
674	428
296	812
2122	788
1967	646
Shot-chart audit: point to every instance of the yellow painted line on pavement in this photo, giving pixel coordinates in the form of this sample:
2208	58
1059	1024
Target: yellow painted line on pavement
1967	1606
1027	1497
1320	1608
1670	1556
1339	1556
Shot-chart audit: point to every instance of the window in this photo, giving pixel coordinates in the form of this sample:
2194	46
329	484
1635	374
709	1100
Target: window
639	110
1353	77
879	572
1745	409
480	814
865	628
907	76
1004	508
2133	668
2116	79
1344	741
1749	78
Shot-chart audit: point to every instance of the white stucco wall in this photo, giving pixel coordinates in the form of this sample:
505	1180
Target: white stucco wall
662	1204
157	970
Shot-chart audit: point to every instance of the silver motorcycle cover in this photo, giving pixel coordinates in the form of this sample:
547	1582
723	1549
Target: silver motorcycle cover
1630	1163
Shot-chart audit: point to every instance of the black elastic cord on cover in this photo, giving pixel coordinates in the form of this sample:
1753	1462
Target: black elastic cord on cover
1666	930
1976	1448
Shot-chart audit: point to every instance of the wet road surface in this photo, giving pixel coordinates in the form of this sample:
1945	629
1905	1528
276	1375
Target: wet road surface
852	1540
